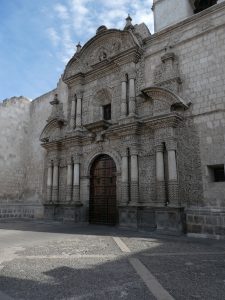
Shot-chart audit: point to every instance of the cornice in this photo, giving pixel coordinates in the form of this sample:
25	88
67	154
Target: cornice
117	131
168	120
53	145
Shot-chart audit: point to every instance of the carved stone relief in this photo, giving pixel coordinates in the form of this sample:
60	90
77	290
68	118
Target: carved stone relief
167	74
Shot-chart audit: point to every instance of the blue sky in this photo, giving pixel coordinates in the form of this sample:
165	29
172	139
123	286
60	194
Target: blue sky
37	38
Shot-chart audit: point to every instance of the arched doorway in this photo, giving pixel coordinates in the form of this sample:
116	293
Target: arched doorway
102	206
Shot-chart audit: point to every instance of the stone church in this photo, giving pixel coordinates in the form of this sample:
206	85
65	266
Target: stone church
134	133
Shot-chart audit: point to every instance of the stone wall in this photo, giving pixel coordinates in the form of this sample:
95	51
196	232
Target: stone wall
21	156
39	112
14	124
168	12
199	44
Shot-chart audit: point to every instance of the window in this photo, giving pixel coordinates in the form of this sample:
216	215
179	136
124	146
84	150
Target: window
200	5
217	173
107	112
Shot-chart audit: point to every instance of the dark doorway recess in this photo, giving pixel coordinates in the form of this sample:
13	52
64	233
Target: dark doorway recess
102	206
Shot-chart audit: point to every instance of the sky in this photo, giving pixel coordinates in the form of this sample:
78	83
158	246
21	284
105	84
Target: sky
38	37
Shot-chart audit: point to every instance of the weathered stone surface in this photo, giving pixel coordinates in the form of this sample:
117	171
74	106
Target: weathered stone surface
166	93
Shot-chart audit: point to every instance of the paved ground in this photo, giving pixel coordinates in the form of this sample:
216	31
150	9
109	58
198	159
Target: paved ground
40	260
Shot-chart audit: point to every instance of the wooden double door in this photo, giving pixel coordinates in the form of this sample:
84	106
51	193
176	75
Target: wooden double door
102	206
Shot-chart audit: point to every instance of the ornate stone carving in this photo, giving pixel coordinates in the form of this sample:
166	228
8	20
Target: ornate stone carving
103	47
167	74
164	100
55	122
171	144
57	110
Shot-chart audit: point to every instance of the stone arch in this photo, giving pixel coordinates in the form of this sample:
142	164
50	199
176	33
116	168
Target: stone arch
102	97
94	154
164	100
51	131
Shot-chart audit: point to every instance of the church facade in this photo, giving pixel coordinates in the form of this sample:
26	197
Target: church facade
135	131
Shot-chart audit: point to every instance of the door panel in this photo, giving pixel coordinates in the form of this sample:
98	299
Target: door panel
102	208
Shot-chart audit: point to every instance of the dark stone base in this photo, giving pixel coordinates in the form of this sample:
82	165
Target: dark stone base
64	212
163	219
206	222
20	211
128	216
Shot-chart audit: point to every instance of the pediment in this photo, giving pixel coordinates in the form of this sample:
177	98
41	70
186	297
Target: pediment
102	48
52	131
164	100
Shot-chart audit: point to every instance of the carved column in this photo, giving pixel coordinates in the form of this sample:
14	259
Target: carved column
124	96
134	178
76	182
73	113
79	109
132	100
69	181
160	176
49	183
125	179
172	173
55	184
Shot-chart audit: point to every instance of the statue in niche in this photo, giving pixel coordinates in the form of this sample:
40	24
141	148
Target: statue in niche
102	55
200	5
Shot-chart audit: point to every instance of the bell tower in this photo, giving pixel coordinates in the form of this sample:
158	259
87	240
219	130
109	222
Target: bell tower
169	12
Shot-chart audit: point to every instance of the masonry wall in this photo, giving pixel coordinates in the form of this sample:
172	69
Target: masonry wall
40	110
14	124
199	44
21	156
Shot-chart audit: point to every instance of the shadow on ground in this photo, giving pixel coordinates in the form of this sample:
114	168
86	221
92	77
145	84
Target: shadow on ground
183	275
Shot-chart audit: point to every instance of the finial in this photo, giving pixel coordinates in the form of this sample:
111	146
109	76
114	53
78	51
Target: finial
101	29
128	23
78	47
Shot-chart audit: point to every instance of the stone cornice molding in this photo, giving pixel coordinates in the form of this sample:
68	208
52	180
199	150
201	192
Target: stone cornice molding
127	129
77	79
163	121
53	146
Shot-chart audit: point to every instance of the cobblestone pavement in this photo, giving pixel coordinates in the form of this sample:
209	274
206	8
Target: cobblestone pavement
43	260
